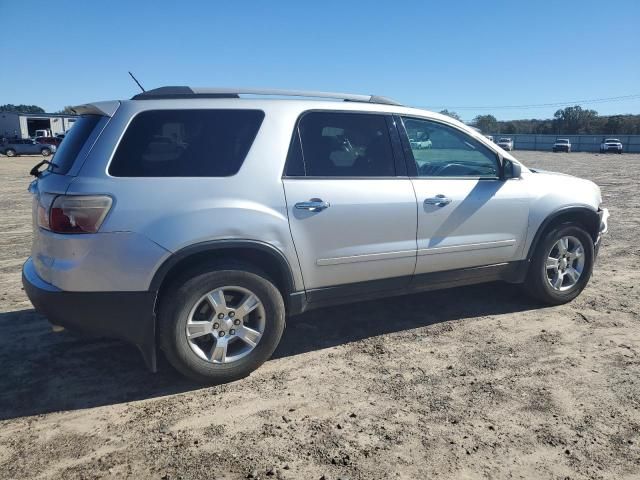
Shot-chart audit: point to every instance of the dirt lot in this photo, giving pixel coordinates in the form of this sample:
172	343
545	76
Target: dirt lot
476	382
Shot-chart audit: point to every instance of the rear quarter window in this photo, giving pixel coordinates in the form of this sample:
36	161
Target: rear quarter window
68	151
186	143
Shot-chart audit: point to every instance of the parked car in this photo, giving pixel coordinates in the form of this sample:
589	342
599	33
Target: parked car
26	147
506	144
611	145
562	145
420	144
195	221
48	140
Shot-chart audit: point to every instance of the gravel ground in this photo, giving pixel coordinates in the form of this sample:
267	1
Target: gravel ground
476	382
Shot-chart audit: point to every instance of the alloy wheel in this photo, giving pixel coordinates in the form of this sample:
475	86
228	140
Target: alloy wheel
225	325
565	263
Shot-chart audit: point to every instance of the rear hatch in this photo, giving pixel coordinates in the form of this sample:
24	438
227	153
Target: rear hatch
64	166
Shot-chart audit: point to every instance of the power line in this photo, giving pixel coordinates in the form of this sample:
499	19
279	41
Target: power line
537	105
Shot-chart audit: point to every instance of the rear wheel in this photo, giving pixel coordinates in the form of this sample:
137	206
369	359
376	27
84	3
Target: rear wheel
10	152
561	266
45	152
218	326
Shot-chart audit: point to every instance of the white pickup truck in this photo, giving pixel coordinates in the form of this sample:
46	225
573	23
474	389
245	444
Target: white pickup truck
611	145
505	143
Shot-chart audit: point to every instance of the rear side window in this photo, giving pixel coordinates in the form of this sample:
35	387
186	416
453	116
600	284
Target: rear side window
74	140
186	143
346	145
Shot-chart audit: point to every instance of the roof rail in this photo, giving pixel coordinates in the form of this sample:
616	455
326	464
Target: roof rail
188	92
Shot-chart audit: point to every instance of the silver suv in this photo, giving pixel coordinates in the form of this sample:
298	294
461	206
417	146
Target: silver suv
195	220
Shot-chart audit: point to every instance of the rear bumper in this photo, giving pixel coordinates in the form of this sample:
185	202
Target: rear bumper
128	316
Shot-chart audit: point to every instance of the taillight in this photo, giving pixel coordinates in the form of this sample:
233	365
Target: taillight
44	201
73	213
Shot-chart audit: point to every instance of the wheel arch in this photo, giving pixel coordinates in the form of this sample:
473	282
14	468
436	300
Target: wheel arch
259	254
584	216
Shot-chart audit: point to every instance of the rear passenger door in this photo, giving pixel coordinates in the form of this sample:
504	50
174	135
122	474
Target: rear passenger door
352	209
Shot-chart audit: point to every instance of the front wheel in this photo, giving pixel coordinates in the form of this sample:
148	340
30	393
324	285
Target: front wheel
10	152
561	265
218	326
45	152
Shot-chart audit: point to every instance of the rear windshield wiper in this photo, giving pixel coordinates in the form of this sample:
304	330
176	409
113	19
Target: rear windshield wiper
35	171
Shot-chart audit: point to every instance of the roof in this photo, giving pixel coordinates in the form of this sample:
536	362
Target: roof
180	92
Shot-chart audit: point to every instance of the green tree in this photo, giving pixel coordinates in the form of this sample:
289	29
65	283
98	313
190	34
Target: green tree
508	127
450	114
21	108
574	120
605	125
67	110
620	124
486	123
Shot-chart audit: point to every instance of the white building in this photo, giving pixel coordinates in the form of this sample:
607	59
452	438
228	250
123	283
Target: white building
24	125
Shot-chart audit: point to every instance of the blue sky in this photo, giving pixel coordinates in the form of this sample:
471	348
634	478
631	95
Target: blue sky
436	54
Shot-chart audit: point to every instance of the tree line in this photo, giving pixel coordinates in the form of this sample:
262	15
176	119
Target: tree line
567	121
31	109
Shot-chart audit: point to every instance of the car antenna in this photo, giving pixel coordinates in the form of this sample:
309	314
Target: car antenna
136	80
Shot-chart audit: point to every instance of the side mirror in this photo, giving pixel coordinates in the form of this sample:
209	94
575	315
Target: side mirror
511	170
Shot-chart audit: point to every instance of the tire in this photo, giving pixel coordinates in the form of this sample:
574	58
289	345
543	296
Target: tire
183	300
10	152
45	152
538	282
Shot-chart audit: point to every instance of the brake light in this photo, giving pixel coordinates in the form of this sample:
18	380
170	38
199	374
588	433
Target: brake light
73	213
44	201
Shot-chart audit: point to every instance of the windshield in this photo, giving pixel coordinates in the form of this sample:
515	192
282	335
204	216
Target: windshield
562	140
72	144
505	139
612	140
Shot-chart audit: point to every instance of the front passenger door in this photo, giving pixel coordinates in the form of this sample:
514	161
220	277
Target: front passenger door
467	215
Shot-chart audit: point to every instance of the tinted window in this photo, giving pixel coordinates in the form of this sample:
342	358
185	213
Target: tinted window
443	151
73	143
186	143
346	145
295	162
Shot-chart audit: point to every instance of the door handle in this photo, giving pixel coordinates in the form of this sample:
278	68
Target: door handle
313	205
438	201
